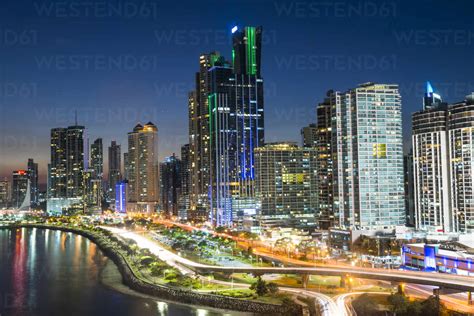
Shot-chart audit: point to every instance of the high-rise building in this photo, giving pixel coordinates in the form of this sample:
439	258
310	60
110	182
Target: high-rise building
170	175
286	185
97	158
75	161
5	193
461	158
409	189
92	192
115	167
430	165
143	168
309	135
324	164
20	187
66	170
184	207
368	157
33	176
57	168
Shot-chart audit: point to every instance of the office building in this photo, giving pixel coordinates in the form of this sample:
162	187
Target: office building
5	193
115	167
92	192
20	190
309	135
97	158
170	175
75	161
430	165
184	206
57	167
286	185
143	169
33	177
324	165
368	157
461	163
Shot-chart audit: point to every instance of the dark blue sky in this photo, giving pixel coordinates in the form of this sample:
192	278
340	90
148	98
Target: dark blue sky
120	62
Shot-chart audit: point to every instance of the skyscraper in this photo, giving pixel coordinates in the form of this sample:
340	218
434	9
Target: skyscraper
97	158
5	193
33	177
409	189
236	128
20	198
184	207
368	157
170	175
324	164
309	135
115	174
57	171
430	165
143	168
66	170
286	185
461	158
75	161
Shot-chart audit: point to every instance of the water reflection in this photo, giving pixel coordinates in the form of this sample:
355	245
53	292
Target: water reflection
45	272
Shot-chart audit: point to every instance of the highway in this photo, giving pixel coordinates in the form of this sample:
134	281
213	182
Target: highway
325	303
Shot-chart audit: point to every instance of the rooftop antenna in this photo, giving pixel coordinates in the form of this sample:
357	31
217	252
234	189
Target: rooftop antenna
75	117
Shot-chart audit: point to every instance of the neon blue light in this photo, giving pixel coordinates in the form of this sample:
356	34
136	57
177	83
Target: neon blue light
234	29
429	88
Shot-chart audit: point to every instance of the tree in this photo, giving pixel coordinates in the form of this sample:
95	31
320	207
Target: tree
432	306
364	305
399	303
272	288
259	286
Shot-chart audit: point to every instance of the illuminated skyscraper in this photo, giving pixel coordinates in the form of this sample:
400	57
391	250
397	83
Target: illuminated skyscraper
461	157
184	209
75	161
57	171
115	174
33	176
143	168
430	165
325	211
170	175
368	157
20	200
286	185
97	158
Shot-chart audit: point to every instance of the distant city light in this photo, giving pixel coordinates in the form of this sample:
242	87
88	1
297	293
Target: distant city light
234	29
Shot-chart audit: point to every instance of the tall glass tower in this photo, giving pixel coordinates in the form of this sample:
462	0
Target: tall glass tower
368	157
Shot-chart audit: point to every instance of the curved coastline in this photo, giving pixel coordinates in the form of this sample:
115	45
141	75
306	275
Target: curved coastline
159	291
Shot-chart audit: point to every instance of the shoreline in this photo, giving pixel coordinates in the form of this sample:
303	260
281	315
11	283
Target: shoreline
174	295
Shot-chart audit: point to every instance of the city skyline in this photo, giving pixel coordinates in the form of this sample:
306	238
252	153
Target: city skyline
294	84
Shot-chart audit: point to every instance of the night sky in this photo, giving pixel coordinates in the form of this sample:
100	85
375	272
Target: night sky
122	62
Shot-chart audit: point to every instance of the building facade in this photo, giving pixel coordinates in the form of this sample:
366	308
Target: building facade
33	177
115	167
170	185
430	165
5	193
143	168
20	190
324	165
368	157
461	163
286	185
97	158
309	135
